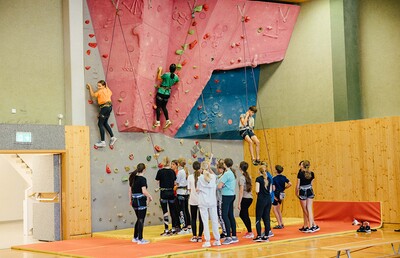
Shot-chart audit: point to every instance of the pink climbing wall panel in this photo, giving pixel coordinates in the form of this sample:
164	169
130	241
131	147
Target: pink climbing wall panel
212	35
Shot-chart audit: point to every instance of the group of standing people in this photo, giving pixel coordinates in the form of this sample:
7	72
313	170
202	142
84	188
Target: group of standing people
210	192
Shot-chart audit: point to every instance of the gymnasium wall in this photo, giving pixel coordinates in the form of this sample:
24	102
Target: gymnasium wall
353	161
32	70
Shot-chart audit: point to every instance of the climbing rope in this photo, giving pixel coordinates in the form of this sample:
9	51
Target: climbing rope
245	41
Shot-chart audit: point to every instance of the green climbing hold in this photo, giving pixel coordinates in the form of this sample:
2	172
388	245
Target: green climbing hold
179	52
198	8
148	158
124	178
185	46
179	66
191	32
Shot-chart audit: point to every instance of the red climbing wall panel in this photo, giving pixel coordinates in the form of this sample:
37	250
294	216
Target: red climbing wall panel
213	35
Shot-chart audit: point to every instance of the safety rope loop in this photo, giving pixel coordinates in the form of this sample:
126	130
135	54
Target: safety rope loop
246	47
137	88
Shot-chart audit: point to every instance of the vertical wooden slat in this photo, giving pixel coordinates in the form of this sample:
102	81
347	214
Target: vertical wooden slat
76	204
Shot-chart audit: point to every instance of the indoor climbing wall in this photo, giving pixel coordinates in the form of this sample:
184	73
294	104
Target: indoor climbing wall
134	37
226	95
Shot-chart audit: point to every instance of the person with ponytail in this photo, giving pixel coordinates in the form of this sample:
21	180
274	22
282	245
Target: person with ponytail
305	193
281	183
245	198
166	178
183	195
163	93
220	171
194	202
228	185
103	96
139	197
263	204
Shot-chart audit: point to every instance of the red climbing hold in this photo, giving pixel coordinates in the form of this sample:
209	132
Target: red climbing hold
218	91
206	36
184	62
154	107
105	55
112	125
216	81
199	107
196	142
229	121
90	102
87	21
194	156
92	44
91	35
108	169
160	165
111	147
194	23
197	126
131	156
95	147
88	52
87	67
192	44
158	148
196	77
205	7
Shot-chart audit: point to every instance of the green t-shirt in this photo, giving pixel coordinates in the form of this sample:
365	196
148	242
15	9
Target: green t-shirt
167	83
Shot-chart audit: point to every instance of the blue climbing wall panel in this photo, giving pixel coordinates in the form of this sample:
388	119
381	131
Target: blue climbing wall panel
226	95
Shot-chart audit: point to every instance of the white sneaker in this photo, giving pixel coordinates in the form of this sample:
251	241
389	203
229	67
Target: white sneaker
100	144
270	234
193	239
206	244
135	240
142	241
167	124
112	141
157	124
217	243
183	232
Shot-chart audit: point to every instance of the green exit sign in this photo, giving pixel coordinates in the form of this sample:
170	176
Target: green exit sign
23	137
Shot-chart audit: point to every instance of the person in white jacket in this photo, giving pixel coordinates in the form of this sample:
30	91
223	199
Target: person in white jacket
206	189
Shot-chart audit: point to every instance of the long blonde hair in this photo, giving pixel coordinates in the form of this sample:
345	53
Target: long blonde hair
182	163
166	161
263	171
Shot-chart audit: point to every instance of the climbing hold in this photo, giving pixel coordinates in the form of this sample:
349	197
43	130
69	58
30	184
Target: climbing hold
205	7
204	125
196	77
194	66
127	168
206	36
105	55
90	101
158	148
88	52
232	61
242	36
120	99
218	91
181	141
239	60
199	107
192	44
94	199
87	67
116	170
154	107
194	23
120	215
100	219
177	110
184	62
91	35
148	158
108	169
87	21
179	52
187	91
216	81
245	19
119	196
190	162
233	45
131	156
124	178
198	8
92	44
156	155
260	29
126	123
160	165
112	125
148	213
191	32
197	126
194	156
196	142
237	44
178	66
229	121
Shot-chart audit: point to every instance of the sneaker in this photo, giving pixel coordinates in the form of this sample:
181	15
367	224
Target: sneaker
184	232
249	235
156	124
235	239
135	240
367	229
100	144
258	239
265	239
302	229
206	244
255	163
278	227
315	228
165	233
217	243
193	239
199	239
167	124
307	230
222	235
142	241
270	234
113	140
227	241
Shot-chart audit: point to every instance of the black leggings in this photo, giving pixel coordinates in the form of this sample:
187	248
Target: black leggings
103	122
244	212
161	102
184	216
227	214
140	214
194	211
172	210
263	209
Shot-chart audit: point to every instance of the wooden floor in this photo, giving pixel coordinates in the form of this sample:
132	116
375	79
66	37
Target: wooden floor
297	248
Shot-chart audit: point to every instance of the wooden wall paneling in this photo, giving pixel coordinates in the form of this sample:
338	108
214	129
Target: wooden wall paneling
76	200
